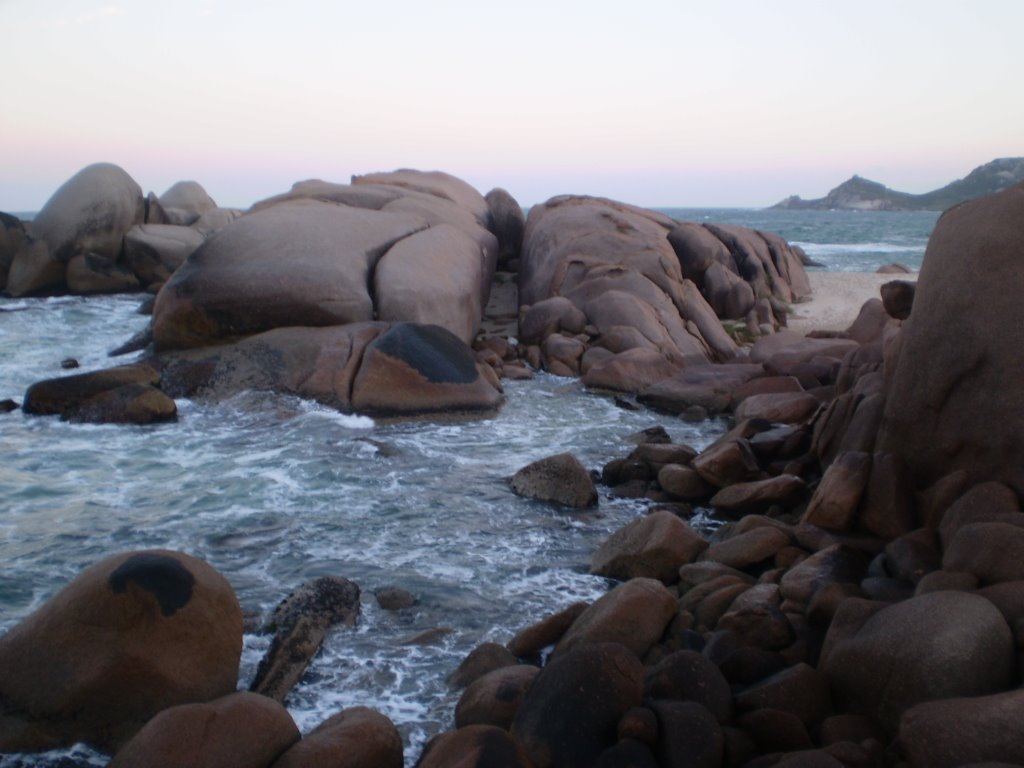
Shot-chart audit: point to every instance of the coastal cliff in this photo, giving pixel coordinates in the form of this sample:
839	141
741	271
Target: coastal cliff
859	194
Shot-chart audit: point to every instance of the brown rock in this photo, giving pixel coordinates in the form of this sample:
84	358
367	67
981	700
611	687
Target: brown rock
934	646
69	393
548	631
243	729
964	731
130	404
690	676
994	552
800	690
836	563
437	277
494	698
633	614
782	407
154	251
357	737
898	298
689	735
748	549
775	731
683	482
759	493
569	714
948	406
130	636
835	501
991	502
887	508
485	658
90	213
475	746
561	479
185	201
654	546
631	371
412	369
237	283
727	462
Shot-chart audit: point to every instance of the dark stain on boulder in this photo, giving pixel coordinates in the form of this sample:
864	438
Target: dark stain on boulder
167	579
437	354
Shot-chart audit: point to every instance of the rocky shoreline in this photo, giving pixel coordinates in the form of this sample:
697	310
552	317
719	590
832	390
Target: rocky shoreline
862	609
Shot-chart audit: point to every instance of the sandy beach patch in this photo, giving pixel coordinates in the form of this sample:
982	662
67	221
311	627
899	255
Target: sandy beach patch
837	298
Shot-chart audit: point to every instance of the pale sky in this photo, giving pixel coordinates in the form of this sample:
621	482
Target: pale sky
655	102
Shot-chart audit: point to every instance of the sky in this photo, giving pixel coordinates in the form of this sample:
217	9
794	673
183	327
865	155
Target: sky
654	102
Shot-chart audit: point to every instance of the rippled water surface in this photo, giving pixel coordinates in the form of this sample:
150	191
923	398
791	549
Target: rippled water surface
275	491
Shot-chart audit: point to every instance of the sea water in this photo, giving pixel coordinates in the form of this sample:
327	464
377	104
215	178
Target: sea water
274	491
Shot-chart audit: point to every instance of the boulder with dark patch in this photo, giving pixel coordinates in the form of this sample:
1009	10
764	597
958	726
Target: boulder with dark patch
300	624
561	479
240	729
494	698
130	636
420	369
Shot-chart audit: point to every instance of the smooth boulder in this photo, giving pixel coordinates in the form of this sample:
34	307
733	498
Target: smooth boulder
299	263
934	646
949	405
561	479
130	636
242	729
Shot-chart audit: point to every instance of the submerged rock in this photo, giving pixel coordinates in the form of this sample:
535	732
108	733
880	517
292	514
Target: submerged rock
300	624
561	479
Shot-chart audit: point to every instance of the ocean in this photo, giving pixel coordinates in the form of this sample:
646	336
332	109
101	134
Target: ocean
274	491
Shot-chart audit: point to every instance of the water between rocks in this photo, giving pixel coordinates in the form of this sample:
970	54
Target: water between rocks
274	491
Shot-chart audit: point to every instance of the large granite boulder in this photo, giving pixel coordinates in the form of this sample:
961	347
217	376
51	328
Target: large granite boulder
615	264
951	403
130	636
88	214
935	646
301	262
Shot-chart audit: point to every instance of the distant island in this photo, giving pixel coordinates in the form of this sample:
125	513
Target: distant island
857	194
